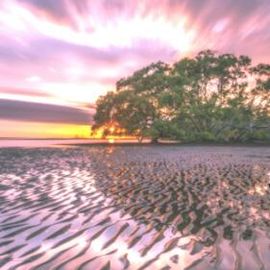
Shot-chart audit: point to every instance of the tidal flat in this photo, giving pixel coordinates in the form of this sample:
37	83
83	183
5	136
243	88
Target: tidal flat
135	207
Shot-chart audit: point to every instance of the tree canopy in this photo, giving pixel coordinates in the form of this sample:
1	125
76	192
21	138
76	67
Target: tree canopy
211	97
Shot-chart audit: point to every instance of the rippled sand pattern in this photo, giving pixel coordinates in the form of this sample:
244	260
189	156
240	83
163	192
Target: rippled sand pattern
135	208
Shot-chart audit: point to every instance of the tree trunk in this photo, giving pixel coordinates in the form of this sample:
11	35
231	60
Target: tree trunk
154	140
140	139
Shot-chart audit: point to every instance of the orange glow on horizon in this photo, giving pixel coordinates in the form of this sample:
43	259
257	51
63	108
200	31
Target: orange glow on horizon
37	130
112	132
110	129
16	129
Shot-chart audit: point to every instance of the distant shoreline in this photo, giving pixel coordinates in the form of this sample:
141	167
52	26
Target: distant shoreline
46	142
42	139
135	143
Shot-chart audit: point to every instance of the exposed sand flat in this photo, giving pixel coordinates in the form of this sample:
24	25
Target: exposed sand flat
133	207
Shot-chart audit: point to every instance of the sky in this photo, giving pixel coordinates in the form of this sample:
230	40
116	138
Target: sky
57	57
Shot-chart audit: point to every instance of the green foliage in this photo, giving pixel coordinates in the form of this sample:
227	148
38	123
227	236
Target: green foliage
211	97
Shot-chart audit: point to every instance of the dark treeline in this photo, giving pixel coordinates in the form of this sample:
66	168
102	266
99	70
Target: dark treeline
211	97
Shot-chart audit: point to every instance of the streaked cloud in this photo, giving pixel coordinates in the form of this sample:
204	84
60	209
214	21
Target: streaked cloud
22	91
38	112
73	51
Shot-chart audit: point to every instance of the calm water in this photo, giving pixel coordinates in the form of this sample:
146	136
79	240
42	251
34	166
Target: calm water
56	143
44	143
135	207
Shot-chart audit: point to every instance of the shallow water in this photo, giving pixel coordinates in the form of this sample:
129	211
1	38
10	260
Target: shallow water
134	207
37	143
45	142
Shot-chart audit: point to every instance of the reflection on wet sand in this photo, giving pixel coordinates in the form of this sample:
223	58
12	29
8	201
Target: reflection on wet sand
135	208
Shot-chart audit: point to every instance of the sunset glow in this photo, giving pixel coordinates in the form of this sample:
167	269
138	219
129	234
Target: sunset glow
64	54
20	129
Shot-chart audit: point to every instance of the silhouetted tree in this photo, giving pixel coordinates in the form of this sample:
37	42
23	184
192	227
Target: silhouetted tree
209	97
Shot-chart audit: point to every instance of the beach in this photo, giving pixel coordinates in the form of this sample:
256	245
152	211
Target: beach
135	207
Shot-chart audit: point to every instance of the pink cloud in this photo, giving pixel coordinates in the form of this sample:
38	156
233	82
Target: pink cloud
73	51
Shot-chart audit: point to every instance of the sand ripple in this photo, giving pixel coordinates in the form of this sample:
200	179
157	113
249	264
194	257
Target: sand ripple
135	208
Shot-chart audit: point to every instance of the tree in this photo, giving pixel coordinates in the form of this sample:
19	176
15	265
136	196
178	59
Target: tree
210	97
135	104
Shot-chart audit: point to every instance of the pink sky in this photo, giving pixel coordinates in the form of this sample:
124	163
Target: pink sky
57	57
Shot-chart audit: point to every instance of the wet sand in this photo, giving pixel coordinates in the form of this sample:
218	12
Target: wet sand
135	207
